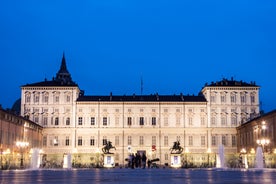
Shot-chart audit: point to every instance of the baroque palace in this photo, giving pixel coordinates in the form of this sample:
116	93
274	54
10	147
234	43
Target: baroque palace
79	124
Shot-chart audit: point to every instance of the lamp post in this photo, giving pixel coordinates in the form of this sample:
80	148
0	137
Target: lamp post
263	142
22	145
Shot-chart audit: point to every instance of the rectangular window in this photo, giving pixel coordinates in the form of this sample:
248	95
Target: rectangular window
166	140
190	119
141	121
92	121
80	121
141	140
214	141
56	121
56	99
104	140
190	140
234	141
92	141
202	140
67	121
243	99
129	140
252	99
213	99
129	121
56	141
117	138
36	98
234	121
105	121
67	98
44	142
45	121
233	99
28	99
67	141
79	141
202	121
117	120
153	140
153	121
223	121
166	121
213	121
222	99
223	140
177	123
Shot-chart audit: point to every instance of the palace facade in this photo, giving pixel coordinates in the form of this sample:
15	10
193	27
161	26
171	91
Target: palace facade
81	124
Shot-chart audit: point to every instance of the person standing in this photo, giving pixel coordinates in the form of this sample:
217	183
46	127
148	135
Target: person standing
144	159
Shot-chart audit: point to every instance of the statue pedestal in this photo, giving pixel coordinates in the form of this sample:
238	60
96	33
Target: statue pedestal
175	160
109	160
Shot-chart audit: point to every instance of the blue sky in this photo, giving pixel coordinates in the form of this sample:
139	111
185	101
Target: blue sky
175	46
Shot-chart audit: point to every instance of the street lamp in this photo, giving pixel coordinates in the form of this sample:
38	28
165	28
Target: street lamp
263	142
22	145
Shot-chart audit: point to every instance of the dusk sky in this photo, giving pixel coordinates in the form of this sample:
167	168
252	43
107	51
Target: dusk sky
109	45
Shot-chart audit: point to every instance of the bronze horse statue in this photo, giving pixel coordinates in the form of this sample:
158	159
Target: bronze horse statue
177	149
107	147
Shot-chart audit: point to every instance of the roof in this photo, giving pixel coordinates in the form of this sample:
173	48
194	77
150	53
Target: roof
143	98
231	82
50	83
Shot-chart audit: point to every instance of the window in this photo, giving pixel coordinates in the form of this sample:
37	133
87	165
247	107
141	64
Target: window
213	99
202	139
67	121
36	98
56	141
153	140
166	156
105	121
129	121
243	99
80	121
117	120
141	121
153	121
92	120
190	140
56	99
234	121
223	121
213	120
234	141
166	140
28	99
166	121
214	141
67	142
233	99
45	121
68	98
190	119
44	140
36	119
104	140
223	140
177	123
141	140
56	121
202	121
129	140
92	141
252	98
223	99
79	141
117	138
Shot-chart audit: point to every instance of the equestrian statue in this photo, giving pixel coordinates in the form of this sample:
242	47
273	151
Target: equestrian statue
108	146
176	149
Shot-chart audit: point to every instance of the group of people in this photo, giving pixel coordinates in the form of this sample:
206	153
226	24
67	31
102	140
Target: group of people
137	160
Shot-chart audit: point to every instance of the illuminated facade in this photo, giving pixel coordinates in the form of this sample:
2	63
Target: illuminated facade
79	124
